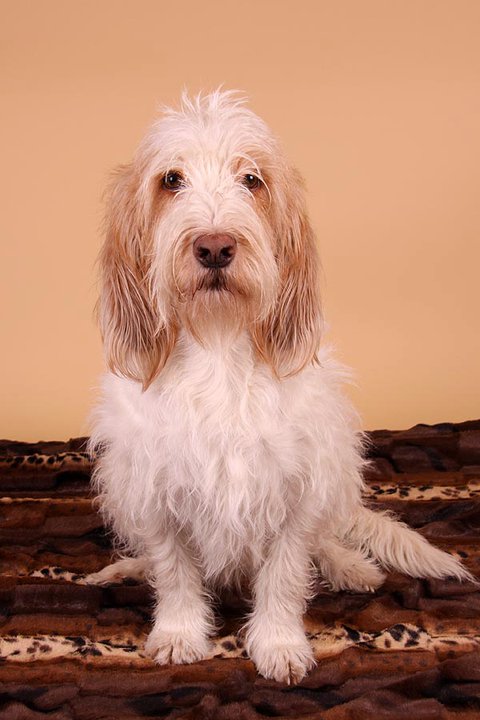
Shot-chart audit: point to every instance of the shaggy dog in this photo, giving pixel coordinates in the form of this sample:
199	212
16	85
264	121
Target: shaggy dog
227	452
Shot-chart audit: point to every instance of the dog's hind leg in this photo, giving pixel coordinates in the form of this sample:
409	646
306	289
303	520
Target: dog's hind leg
345	568
134	568
394	545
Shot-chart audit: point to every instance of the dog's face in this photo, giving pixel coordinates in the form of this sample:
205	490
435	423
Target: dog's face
206	230
214	232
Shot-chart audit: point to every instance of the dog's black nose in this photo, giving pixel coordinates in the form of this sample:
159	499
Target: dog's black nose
215	251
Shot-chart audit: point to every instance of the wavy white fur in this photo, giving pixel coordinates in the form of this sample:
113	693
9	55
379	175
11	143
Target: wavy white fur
228	453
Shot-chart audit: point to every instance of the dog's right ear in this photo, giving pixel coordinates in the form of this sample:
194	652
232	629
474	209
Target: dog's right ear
137	340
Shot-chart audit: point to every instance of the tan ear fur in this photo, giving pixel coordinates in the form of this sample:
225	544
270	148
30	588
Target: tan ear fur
137	342
289	337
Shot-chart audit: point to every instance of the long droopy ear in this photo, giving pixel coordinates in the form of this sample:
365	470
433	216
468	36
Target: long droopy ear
289	337
137	340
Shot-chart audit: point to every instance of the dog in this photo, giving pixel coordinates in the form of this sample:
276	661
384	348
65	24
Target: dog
227	452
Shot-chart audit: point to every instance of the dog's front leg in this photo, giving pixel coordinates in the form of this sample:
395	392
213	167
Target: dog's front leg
183	619
275	636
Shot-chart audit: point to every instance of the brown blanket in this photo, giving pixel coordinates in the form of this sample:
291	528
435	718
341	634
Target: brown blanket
70	651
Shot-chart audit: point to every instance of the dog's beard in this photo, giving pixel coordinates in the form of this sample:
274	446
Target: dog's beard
217	304
214	280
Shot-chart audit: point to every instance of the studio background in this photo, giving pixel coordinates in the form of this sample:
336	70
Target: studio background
377	103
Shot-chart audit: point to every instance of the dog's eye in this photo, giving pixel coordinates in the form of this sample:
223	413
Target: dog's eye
252	182
172	181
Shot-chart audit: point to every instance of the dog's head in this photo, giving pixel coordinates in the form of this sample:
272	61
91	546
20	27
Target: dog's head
207	230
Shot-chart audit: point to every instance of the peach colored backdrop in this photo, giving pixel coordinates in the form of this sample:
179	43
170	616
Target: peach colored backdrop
377	102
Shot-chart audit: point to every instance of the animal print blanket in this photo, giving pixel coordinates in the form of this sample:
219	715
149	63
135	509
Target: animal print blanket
69	651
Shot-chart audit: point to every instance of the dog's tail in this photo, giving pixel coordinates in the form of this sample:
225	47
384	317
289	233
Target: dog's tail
395	546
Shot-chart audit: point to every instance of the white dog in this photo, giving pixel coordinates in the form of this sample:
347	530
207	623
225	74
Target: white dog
228	453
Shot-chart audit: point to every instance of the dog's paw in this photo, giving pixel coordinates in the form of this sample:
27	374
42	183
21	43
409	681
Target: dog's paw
104	577
278	655
169	647
362	576
285	662
117	572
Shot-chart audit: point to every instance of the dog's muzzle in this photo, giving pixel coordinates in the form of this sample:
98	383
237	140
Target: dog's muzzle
215	251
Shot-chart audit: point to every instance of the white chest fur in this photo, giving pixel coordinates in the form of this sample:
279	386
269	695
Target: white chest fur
217	447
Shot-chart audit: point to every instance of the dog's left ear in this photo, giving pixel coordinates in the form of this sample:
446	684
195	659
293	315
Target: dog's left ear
288	339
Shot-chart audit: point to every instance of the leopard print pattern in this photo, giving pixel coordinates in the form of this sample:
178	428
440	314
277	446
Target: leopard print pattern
326	642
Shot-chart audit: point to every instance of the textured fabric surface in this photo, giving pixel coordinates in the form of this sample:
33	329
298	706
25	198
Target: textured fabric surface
71	651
